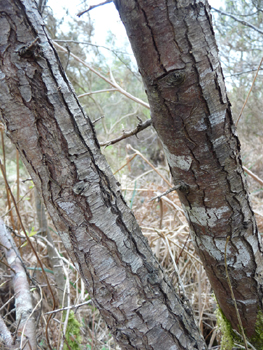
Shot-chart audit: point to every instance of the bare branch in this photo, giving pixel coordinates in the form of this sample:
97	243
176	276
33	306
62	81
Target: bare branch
129	147
69	307
91	44
165	193
5	335
254	176
21	288
115	52
97	92
243	72
97	120
114	85
255	77
141	126
238	20
93	6
8	301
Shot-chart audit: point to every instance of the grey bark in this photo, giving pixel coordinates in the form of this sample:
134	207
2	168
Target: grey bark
176	52
6	339
58	145
23	301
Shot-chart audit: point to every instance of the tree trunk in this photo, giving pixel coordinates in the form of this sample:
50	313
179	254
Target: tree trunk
26	328
176	52
58	145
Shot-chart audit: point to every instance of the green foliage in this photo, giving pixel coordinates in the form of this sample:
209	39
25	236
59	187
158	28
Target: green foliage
73	336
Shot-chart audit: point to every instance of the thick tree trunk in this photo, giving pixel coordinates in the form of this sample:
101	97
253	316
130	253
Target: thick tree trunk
175	48
58	145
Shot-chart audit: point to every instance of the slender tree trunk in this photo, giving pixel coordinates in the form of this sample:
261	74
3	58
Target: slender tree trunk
58	145
26	330
176	52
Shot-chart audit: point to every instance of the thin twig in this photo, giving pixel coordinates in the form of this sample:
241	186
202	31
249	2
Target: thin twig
149	163
243	72
161	214
9	267
115	52
97	92
66	292
114	85
162	235
181	252
141	126
238	20
175	206
176	268
93	6
240	336
92	44
128	161
165	193
68	307
255	77
97	120
8	301
233	297
254	176
65	339
17	203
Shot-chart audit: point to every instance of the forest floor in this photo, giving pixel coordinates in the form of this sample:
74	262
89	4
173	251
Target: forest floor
162	222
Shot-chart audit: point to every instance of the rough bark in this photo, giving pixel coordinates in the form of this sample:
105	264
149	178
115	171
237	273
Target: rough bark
58	145
176	52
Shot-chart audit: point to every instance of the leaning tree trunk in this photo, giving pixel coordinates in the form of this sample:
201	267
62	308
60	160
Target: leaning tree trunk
176	52
58	145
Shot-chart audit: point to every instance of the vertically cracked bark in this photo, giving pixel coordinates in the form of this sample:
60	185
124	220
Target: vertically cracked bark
176	52
58	145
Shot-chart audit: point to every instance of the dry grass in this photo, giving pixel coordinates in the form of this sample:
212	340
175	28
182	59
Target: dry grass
162	222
